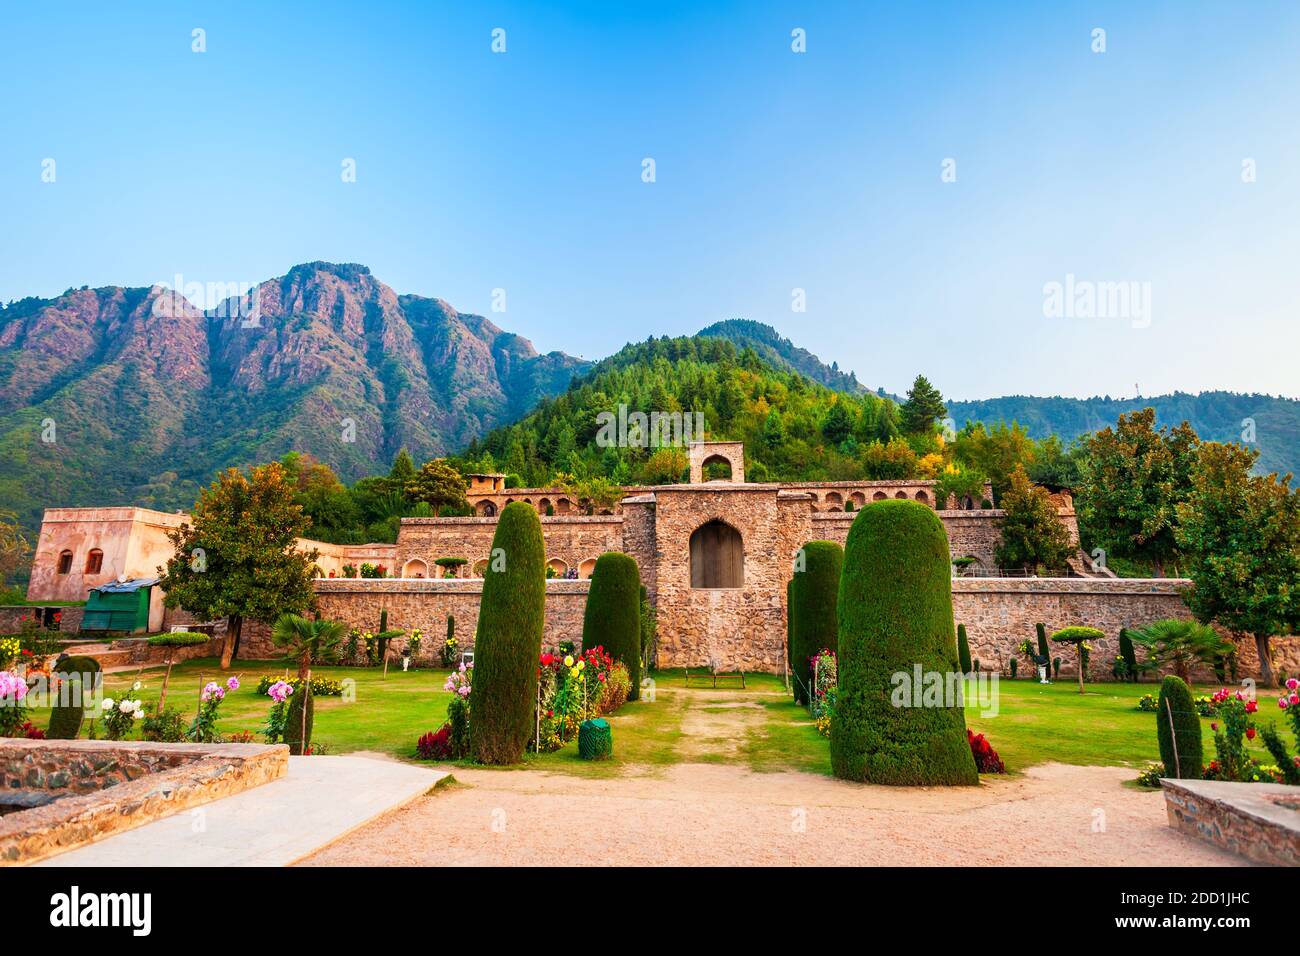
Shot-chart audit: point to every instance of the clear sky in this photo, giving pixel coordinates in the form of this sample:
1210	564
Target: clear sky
774	171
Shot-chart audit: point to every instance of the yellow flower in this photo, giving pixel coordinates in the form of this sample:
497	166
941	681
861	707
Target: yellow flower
581	664
568	661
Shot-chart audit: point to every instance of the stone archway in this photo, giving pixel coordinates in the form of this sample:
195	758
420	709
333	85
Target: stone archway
485	509
586	568
415	568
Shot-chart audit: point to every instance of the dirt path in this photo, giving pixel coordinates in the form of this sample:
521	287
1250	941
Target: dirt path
698	814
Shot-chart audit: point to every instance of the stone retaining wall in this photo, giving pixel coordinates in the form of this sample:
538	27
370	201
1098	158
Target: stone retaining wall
11	617
423	604
1256	820
115	785
999	613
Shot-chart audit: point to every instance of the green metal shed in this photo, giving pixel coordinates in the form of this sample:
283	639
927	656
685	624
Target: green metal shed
119	606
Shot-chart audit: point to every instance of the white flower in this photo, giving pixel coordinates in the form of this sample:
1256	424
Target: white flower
126	706
108	703
136	686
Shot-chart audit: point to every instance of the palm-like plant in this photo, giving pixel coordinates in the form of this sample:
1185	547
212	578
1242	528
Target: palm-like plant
1181	644
304	640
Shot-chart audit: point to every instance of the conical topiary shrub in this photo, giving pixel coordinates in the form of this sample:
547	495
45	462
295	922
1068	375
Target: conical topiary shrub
1042	640
509	638
1129	655
612	617
815	591
299	719
1178	730
789	633
895	616
78	675
963	649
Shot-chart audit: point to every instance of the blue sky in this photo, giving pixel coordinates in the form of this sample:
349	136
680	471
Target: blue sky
775	171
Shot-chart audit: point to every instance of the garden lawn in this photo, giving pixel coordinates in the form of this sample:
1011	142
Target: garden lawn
1041	723
386	715
759	727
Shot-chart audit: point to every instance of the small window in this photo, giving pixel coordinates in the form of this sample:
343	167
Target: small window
65	562
94	561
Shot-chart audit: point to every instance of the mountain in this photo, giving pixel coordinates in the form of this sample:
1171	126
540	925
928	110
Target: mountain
793	428
1216	416
782	353
119	395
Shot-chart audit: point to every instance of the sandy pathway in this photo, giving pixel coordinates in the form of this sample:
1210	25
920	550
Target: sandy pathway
702	814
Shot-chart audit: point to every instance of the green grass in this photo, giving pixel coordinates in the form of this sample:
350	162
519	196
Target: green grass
1040	723
768	732
387	715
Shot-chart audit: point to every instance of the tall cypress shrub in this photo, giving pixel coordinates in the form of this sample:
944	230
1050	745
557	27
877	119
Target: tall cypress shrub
68	711
508	642
1178	730
789	634
895	613
814	592
1128	654
612	617
1042	640
963	649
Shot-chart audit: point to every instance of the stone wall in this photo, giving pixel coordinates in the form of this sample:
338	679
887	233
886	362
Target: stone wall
575	541
970	533
1254	820
11	617
999	613
423	605
112	786
740	628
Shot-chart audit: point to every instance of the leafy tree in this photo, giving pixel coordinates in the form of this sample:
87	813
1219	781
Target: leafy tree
996	452
895	615
237	556
439	485
1053	465
611	618
886	462
509	638
1032	533
958	482
304	640
773	435
1133	478
1180	644
1240	539
924	406
13	545
838	424
665	466
403	470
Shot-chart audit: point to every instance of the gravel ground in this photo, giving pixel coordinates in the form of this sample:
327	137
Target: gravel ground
724	814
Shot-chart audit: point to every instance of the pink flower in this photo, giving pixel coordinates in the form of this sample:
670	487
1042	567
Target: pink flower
233	683
1282	702
1292	683
1295	699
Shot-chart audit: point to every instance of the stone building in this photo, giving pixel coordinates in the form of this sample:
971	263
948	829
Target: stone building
715	554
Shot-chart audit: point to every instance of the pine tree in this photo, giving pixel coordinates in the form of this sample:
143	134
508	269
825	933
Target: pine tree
924	406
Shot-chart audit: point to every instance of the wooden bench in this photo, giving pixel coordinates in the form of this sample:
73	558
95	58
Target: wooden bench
711	673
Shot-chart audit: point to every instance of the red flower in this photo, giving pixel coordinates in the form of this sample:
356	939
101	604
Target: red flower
1251	706
1214	726
1250	733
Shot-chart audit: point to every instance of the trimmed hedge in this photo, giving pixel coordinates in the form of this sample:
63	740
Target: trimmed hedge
509	638
895	613
814	592
963	649
65	719
1129	655
612	617
297	728
789	629
1180	744
1042	643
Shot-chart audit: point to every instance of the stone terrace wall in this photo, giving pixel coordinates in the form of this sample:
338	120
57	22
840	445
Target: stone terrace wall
973	533
572	540
999	613
424	605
